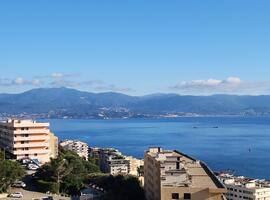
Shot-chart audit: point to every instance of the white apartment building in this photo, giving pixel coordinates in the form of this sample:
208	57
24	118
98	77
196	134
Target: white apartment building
81	148
241	188
113	162
28	139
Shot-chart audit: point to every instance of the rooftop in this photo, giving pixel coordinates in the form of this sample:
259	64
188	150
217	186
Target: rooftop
23	123
242	181
197	172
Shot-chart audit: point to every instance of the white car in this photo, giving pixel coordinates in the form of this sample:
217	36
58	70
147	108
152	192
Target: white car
32	167
19	184
16	195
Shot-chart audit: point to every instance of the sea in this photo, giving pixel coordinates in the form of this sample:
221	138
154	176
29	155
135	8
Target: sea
239	145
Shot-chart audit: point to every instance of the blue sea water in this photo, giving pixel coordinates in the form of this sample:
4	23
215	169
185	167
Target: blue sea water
239	144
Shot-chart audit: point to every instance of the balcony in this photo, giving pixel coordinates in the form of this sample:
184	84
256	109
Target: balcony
31	144
31	151
31	138
32	131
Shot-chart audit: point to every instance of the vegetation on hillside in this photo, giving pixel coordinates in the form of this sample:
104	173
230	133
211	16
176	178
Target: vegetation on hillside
119	187
10	171
65	174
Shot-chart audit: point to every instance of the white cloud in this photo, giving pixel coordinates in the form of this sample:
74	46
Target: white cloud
19	81
57	75
230	85
36	82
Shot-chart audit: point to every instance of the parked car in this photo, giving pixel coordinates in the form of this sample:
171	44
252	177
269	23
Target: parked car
46	198
19	184
16	195
32	167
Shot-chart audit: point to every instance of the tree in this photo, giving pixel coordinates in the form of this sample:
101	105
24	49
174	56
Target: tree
10	171
68	171
119	187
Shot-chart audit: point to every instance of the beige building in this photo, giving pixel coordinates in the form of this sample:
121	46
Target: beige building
28	139
171	175
239	188
78	147
134	164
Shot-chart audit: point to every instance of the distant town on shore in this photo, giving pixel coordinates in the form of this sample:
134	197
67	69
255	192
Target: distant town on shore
69	103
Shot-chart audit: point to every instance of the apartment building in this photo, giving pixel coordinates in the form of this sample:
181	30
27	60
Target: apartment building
172	175
28	139
78	147
241	188
113	162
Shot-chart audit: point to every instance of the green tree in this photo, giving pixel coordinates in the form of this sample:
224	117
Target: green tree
119	187
10	171
69	171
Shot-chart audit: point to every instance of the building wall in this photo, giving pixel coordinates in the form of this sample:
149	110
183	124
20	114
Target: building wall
152	182
196	193
53	146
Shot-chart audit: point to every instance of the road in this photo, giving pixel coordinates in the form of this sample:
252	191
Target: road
31	192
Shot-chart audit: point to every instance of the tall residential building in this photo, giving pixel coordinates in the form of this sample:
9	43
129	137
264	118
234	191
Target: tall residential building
78	147
240	188
171	175
28	139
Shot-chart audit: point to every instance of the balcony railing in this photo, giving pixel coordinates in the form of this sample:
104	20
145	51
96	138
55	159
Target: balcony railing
31	144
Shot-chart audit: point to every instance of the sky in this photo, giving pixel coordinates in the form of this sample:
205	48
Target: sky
136	47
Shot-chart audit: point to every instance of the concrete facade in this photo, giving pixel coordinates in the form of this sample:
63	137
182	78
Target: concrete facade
28	139
171	175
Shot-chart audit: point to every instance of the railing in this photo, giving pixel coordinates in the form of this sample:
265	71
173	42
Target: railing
32	131
38	151
31	144
31	138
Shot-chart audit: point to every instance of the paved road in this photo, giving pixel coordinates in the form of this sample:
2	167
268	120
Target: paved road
31	192
29	195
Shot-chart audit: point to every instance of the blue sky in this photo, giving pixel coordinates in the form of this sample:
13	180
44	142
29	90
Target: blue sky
136	47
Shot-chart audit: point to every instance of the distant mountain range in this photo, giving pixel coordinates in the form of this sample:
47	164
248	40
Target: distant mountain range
71	103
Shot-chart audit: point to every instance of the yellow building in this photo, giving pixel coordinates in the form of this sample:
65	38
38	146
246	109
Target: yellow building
171	175
28	139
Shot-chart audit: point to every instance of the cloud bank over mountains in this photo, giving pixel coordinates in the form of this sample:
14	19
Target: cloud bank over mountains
230	85
62	80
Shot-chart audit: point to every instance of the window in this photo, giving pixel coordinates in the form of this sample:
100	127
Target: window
177	165
187	196
175	196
